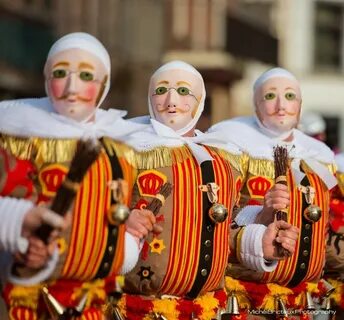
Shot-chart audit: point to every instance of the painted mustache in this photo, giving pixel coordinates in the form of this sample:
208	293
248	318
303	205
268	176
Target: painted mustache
163	108
78	98
276	113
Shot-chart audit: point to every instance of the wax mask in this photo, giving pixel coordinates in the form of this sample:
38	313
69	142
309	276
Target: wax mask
278	104
174	97
75	82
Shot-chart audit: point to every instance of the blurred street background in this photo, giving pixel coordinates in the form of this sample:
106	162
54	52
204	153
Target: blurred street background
229	41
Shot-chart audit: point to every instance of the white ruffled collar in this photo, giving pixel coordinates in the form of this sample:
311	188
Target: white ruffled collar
158	135
247	135
36	118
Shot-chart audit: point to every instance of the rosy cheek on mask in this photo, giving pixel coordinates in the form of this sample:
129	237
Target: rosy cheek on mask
57	88
90	92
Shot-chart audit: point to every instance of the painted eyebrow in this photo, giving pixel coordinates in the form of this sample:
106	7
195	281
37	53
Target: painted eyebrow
61	64
163	82
183	82
86	65
272	88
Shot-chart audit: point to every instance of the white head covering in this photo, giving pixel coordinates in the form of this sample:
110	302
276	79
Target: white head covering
87	42
181	65
273	73
267	75
339	158
312	123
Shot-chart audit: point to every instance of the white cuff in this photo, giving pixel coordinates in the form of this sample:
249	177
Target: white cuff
12	212
247	215
251	252
40	276
131	253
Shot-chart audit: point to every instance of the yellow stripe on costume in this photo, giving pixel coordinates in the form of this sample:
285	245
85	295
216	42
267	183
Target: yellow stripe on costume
185	237
224	178
88	243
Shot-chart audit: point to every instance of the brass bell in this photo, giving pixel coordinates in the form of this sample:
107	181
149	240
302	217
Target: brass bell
116	313
218	314
281	310
309	302
328	287
218	213
326	304
118	214
312	213
232	308
159	316
193	316
82	304
55	309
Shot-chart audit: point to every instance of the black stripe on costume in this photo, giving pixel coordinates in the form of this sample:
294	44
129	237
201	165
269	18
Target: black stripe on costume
302	262
107	260
207	237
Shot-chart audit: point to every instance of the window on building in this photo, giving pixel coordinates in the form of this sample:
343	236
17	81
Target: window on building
329	22
332	132
24	45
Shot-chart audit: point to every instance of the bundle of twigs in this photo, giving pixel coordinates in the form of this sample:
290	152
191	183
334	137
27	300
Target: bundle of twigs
281	166
86	153
156	204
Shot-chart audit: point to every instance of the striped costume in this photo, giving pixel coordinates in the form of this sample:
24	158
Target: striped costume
297	274
180	271
91	251
334	269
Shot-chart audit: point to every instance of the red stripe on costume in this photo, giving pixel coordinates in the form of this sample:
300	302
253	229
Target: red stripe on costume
104	204
224	178
185	244
286	268
88	236
318	239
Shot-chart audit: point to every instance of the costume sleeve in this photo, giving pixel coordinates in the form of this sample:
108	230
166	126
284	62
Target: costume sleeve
131	253
16	194
247	215
246	245
12	212
335	239
42	275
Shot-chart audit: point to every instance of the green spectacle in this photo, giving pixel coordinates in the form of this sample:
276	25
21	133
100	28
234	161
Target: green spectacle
269	96
63	73
290	96
183	91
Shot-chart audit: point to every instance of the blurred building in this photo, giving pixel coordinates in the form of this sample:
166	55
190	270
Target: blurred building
140	35
310	37
25	36
230	41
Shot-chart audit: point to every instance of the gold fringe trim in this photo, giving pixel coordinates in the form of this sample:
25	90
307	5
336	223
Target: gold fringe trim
275	291
39	150
95	290
340	179
263	167
155	158
167	306
239	162
234	287
23	296
338	293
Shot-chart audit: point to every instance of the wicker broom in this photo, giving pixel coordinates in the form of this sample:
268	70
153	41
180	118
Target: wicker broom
281	167
86	153
156	204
